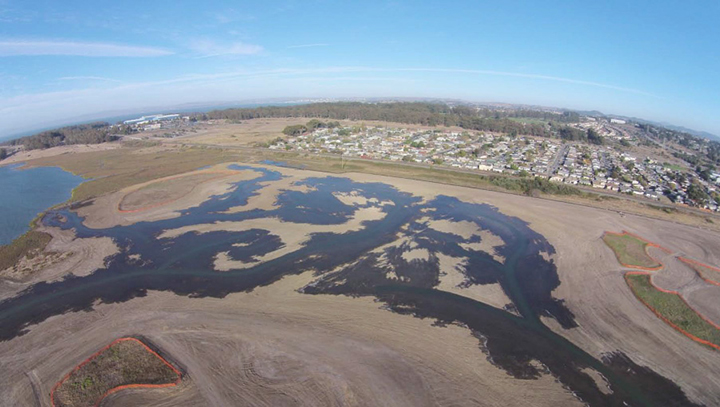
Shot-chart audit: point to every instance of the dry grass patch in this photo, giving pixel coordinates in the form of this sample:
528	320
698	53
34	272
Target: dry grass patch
242	133
630	251
28	245
262	130
126	363
113	170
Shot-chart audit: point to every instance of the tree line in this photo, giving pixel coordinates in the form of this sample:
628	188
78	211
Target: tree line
428	114
91	133
314	124
573	134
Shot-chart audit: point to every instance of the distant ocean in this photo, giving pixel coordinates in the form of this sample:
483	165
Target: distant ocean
26	193
112	119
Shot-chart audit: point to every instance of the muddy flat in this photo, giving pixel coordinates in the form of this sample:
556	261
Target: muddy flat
363	290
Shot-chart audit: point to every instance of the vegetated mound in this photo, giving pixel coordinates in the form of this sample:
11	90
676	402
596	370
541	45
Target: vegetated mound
708	273
28	245
162	192
630	250
125	363
674	310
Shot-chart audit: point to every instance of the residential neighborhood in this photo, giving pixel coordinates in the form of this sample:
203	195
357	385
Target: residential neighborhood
601	167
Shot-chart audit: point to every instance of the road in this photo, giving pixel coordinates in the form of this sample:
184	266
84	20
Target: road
558	159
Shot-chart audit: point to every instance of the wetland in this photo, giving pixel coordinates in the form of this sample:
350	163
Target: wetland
353	254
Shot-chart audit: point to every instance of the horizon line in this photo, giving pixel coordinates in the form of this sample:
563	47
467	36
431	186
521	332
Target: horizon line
205	107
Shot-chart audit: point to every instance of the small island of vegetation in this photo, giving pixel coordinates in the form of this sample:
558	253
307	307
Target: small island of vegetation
674	310
630	250
125	363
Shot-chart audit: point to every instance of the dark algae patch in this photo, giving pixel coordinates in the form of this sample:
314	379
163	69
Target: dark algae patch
351	264
512	343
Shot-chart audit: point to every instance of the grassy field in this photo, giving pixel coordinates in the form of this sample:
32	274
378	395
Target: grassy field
243	133
673	308
27	245
127	362
630	251
113	170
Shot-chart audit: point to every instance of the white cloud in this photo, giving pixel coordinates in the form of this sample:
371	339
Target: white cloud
28	110
85	49
231	16
308	45
529	76
88	78
208	48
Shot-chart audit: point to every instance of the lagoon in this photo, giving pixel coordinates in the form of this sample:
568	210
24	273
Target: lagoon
24	193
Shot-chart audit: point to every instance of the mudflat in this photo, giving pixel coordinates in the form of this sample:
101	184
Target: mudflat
255	347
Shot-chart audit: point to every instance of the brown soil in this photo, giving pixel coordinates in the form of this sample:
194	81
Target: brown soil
277	347
707	272
679	276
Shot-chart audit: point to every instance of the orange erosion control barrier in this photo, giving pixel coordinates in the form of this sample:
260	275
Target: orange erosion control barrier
221	174
667	321
648	244
127	386
697	264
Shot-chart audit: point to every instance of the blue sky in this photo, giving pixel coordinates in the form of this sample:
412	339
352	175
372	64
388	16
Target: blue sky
658	60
